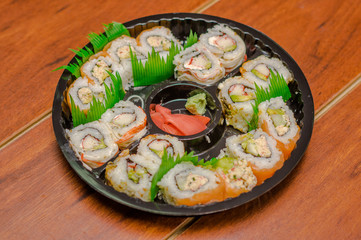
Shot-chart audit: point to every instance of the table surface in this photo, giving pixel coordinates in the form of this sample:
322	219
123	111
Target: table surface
42	198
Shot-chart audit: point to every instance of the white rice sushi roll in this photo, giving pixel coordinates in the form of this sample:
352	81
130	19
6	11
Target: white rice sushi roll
119	51
258	70
237	96
126	121
159	38
92	143
226	44
130	174
277	119
152	147
186	184
260	150
95	69
198	64
83	92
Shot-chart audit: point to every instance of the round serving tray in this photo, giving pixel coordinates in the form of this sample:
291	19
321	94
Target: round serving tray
180	24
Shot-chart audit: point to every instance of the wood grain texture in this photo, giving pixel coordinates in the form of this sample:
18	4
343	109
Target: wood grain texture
41	197
322	36
35	37
319	200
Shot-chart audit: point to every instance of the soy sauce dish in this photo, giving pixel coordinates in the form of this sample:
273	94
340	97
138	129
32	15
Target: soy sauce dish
234	141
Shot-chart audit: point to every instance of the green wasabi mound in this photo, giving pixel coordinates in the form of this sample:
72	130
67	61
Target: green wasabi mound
197	104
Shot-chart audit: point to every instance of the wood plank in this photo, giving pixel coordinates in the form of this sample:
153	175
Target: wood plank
35	37
41	197
319	200
322	36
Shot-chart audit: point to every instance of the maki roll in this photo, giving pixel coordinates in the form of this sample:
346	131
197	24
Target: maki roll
227	45
237	96
258	70
237	175
198	64
92	143
97	67
153	147
126	121
119	51
130	174
160	38
186	184
82	92
260	150
276	118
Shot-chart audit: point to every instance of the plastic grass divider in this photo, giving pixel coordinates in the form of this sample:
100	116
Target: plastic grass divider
191	39
114	30
277	88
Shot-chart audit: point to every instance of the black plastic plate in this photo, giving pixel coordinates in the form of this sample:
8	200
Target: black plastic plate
180	23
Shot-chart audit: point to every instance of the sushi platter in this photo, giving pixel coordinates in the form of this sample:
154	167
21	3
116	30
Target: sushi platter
197	142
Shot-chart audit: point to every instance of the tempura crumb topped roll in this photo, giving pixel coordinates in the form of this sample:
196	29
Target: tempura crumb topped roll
186	184
126	121
258	70
198	64
226	44
92	143
277	119
260	150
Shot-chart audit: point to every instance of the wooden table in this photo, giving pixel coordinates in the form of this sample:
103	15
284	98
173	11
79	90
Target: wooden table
42	198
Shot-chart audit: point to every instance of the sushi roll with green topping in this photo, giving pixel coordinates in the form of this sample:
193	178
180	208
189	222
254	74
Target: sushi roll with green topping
97	67
199	65
226	44
277	119
126	121
258	70
160	38
260	150
131	174
189	185
92	143
82	92
237	96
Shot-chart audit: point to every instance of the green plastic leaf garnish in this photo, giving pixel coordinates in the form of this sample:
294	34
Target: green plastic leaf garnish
169	162
114	30
191	39
73	68
85	53
78	116
277	88
98	41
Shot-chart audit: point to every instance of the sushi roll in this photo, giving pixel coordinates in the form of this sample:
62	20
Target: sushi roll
160	38
152	147
83	92
186	184
199	65
237	175
95	69
130	174
126	121
258	70
260	150
276	119
92	143
119	51
226	44
237	96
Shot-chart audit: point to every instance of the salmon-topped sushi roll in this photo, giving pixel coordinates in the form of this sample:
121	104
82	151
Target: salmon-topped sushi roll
126	121
190	185
277	119
199	65
237	175
260	150
226	44
92	143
